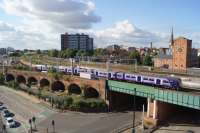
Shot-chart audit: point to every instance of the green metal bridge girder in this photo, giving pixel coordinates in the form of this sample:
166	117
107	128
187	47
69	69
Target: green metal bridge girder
169	96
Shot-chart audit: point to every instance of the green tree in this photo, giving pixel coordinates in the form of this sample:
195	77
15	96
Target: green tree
79	53
38	51
68	53
135	55
99	52
148	60
53	53
16	54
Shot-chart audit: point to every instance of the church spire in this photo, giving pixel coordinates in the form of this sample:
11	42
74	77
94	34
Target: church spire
172	37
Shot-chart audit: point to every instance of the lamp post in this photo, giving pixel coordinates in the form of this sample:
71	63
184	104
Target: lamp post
4	128
30	122
53	124
34	119
133	130
72	65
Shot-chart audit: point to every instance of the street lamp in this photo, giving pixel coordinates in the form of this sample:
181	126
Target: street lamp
34	119
30	122
4	128
53	124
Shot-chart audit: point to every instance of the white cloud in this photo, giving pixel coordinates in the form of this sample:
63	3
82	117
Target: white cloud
126	33
44	20
72	14
18	38
4	27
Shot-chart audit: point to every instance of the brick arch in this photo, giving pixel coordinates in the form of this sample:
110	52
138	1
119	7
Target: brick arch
32	81
21	79
58	86
44	82
74	88
91	92
10	77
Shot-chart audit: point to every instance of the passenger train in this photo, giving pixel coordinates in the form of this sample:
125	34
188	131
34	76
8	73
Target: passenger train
165	82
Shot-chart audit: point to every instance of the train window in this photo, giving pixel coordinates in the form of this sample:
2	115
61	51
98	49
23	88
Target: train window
151	79
165	81
127	76
145	78
133	77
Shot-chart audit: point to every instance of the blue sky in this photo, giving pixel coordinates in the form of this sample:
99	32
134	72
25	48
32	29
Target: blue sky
157	15
39	23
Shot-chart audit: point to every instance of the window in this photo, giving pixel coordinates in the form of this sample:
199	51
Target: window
151	79
145	78
165	81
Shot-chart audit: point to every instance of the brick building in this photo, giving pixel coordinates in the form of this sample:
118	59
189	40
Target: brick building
181	57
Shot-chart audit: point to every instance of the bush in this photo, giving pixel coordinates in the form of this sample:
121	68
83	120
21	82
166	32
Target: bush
78	104
22	67
13	84
67	101
2	79
93	104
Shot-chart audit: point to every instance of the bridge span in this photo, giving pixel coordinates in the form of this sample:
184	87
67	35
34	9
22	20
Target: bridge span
160	102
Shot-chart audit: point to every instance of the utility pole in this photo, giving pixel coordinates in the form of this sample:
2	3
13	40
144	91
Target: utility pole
30	63
133	130
143	117
72	66
136	65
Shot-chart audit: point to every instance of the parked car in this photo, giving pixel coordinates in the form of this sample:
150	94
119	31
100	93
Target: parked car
10	122
2	108
6	113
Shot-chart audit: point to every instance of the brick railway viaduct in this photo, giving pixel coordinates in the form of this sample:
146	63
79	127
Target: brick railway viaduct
70	84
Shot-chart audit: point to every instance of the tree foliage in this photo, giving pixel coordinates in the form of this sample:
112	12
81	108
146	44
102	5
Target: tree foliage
148	60
53	53
135	55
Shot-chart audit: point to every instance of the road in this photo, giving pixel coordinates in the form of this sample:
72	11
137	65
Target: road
88	123
24	107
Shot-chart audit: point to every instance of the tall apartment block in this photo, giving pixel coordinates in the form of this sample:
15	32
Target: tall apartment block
76	41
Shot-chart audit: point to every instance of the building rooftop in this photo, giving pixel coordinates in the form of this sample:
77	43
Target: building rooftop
181	37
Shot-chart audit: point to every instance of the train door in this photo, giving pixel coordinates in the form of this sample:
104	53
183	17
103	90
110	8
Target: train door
158	81
96	73
109	75
75	71
139	79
